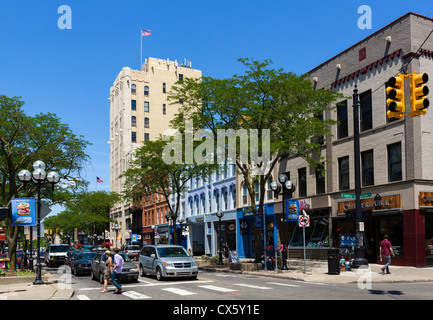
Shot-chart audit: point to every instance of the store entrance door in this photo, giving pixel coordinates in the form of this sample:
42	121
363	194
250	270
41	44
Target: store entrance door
371	241
429	238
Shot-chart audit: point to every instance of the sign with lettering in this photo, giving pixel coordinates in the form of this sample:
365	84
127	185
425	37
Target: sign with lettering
426	199
376	204
234	257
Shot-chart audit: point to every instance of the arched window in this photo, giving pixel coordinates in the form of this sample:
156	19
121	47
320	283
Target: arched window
133	88
133	121
146	90
146	122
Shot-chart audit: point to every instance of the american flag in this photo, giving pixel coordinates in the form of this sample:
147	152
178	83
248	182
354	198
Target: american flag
145	33
99	180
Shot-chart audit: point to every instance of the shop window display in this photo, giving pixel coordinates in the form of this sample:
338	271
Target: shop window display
317	235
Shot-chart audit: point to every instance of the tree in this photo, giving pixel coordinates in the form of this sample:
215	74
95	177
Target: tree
151	173
88	212
282	108
25	139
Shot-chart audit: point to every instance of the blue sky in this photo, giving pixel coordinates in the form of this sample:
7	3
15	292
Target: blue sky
69	72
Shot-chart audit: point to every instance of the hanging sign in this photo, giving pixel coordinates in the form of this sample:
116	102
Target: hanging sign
292	210
23	212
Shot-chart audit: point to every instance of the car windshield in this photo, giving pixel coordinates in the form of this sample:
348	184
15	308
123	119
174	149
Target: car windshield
124	256
60	249
87	255
172	252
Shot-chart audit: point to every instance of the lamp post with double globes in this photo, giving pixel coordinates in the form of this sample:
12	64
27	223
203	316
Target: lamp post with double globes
219	215
39	177
285	184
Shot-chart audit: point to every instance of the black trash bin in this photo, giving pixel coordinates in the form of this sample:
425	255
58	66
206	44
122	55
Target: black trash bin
333	261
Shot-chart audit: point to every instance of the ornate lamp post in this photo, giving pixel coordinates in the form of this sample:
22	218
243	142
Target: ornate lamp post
39	177
220	214
116	229
288	185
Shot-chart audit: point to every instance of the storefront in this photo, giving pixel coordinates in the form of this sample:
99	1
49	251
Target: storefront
382	214
246	225
426	208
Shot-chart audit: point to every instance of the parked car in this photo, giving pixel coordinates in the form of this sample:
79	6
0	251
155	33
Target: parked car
166	261
56	254
132	251
69	254
129	271
81	262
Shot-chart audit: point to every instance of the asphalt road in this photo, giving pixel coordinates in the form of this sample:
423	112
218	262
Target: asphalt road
234	287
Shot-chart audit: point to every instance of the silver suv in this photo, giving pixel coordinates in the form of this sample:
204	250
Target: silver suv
166	261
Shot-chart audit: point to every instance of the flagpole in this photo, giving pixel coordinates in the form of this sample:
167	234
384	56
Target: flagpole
141	48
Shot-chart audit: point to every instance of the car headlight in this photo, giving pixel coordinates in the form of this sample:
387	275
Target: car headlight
194	263
133	270
167	264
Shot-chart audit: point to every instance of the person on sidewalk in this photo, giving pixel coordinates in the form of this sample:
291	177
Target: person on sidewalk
385	249
117	270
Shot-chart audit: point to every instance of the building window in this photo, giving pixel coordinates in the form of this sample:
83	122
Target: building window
257	190
244	194
342	128
180	77
133	88
394	162
133	121
146	106
343	173
146	122
302	175
320	180
146	137
164	88
366	114
164	110
133	105
146	91
133	136
367	168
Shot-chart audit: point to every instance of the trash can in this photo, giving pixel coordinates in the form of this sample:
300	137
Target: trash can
333	262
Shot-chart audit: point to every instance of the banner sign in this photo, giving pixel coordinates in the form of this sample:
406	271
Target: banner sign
24	212
293	210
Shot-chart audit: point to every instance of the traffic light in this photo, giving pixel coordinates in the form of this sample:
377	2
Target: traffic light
395	101
418	91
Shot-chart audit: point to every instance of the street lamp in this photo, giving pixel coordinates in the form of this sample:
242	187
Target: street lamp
276	188
116	229
220	214
39	176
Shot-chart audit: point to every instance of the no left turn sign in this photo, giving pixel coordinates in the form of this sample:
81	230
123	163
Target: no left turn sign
304	221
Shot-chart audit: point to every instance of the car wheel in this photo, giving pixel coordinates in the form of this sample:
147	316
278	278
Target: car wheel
159	275
142	273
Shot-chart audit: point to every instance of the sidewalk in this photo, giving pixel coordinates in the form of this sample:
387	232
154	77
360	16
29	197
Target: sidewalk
317	271
16	289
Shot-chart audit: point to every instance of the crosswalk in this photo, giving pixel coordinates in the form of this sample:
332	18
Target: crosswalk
171	289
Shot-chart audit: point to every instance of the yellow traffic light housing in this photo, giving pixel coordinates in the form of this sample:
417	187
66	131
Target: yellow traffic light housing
395	101
418	92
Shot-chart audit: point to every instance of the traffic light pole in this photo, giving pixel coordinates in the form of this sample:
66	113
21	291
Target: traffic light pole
359	249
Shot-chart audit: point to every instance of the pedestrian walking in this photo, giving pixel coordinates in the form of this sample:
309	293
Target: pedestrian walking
385	248
117	270
108	270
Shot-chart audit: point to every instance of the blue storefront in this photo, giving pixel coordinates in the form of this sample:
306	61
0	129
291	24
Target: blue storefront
247	223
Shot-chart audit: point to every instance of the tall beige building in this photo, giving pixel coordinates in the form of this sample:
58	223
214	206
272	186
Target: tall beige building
139	111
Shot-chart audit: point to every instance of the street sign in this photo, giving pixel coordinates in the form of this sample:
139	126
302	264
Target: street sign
304	221
353	196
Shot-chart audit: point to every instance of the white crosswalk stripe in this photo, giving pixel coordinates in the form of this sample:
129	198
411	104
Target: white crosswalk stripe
284	284
135	295
83	297
253	286
178	291
216	288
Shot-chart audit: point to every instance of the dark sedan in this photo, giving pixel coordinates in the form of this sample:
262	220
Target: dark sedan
81	262
129	270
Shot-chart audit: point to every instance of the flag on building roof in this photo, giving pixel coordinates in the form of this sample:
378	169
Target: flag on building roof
145	33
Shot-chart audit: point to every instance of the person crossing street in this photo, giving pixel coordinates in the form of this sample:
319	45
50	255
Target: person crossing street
117	271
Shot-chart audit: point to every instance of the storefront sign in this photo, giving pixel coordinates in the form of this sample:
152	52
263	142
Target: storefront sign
23	212
259	221
305	204
376	204
426	199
